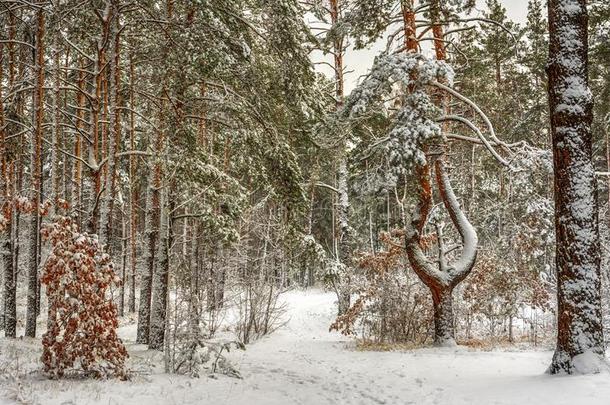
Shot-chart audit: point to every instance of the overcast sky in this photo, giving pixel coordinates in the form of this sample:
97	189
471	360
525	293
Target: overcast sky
358	62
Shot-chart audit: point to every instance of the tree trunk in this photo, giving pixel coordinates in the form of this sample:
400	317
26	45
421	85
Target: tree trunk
343	244
580	343
161	279
9	314
133	193
152	233
111	104
76	200
124	241
152	221
36	165
444	330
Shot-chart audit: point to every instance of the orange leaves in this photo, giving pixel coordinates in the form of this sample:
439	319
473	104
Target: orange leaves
392	305
82	333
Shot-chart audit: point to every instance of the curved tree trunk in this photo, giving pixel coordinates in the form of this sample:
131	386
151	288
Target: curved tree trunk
442	277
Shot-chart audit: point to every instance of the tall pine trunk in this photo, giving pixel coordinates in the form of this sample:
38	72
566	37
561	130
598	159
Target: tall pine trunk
146	279
133	193
161	279
9	307
343	235
580	343
36	180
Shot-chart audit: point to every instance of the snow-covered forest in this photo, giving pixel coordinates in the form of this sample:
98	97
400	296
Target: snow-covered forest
304	201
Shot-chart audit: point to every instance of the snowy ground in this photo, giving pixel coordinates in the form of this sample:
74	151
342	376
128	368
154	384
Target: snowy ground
302	363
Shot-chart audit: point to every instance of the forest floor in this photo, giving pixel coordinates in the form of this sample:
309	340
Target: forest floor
302	363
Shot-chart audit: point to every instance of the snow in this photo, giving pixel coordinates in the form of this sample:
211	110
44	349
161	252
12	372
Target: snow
302	363
589	362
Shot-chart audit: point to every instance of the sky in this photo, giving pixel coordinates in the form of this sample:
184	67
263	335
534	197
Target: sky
357	62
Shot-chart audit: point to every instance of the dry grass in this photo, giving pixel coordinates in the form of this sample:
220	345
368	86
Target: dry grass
365	345
485	344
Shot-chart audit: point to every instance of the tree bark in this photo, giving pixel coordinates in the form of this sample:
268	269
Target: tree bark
133	192
343	243
36	182
440	278
444	329
111	109
161	279
9	307
151	230
152	233
580	343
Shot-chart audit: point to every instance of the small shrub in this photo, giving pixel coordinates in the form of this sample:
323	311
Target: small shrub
82	320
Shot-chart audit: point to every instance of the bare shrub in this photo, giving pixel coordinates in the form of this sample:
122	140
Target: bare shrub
392	305
260	311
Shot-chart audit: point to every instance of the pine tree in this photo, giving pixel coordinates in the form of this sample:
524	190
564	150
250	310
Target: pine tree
580	342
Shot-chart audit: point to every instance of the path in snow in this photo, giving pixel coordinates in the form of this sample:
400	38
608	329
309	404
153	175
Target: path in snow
302	363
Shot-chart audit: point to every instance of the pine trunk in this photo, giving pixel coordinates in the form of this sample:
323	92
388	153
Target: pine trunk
444	330
111	106
36	182
133	192
146	279
580	343
160	282
9	307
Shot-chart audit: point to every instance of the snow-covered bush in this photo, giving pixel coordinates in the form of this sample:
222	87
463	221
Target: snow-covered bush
196	354
82	319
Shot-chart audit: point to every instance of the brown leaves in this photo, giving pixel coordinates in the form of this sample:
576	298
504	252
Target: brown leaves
392	304
82	333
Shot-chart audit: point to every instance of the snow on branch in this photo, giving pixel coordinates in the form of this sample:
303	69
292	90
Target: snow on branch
477	131
460	268
413	124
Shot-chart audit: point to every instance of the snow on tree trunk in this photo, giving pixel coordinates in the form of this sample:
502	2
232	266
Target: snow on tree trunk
444	330
9	314
6	246
344	237
133	193
112	20
580	343
151	231
343	243
160	281
36	165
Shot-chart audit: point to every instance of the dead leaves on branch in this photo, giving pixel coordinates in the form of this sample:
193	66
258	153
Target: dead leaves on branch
83	321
